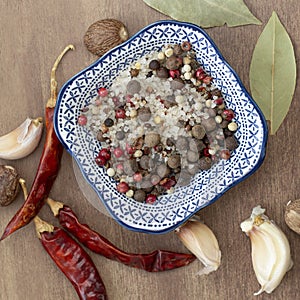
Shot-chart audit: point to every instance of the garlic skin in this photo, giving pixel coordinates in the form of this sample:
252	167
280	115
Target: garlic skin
21	141
292	215
202	242
271	256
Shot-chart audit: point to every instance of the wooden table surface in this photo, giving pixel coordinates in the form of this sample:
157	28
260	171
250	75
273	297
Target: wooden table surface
32	34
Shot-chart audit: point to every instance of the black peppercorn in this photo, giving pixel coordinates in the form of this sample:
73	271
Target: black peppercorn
109	122
154	64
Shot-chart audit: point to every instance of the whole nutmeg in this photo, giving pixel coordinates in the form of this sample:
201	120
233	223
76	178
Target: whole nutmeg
9	184
104	35
292	215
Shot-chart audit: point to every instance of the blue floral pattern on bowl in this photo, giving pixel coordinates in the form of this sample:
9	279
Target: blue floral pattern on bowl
207	186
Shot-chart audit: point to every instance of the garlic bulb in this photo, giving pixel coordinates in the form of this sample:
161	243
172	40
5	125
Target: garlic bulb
201	241
21	141
271	257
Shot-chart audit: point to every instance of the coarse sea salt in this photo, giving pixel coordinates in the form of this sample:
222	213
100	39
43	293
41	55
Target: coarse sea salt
171	110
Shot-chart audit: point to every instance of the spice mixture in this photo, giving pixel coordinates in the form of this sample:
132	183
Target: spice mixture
160	123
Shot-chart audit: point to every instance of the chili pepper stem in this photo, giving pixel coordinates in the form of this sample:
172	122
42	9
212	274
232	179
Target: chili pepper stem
37	121
42	226
53	83
24	188
55	206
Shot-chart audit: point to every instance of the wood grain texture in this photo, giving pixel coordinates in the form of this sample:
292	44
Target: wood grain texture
32	34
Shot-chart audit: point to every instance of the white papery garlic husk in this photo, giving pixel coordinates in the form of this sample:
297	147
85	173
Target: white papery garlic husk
21	141
271	257
202	242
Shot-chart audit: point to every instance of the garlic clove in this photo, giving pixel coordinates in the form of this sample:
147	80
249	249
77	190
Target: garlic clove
201	241
21	141
271	257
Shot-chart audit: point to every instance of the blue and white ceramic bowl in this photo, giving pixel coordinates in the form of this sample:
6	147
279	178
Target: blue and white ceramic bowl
207	186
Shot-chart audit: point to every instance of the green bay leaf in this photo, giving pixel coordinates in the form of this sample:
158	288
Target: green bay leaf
206	13
273	72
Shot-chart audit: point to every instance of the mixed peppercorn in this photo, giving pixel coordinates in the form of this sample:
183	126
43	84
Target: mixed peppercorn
161	122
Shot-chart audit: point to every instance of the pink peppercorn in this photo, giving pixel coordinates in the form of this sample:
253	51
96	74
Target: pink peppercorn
128	98
123	187
120	113
219	101
206	152
202	76
102	92
137	177
199	72
129	149
151	198
120	167
170	182
225	154
105	153
116	100
82	120
207	80
118	152
174	73
227	114
100	161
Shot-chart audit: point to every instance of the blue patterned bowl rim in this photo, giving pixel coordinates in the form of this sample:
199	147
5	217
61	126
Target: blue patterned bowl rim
237	80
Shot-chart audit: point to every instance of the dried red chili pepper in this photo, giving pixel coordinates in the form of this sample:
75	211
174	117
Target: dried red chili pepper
48	167
72	260
70	257
155	261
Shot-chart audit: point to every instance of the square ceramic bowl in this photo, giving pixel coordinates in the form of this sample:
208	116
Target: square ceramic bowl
172	210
